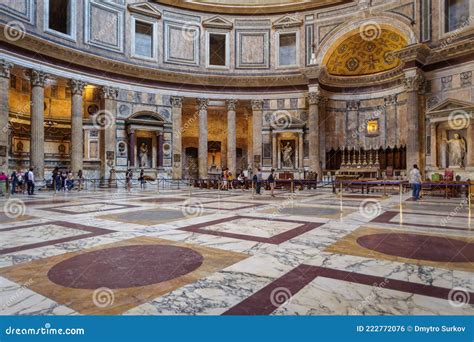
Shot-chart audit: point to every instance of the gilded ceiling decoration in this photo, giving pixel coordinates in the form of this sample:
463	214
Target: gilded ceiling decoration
251	6
360	54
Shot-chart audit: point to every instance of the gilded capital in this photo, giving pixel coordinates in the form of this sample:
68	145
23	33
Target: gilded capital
77	87
202	103
176	101
257	105
5	68
231	104
36	77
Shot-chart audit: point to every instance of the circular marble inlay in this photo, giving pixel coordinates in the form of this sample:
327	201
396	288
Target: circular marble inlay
128	266
421	247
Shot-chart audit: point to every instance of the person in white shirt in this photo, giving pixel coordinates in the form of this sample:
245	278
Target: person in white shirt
31	182
415	181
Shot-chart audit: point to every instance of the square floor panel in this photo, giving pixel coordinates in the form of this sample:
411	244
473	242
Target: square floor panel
230	205
273	231
312	211
441	251
148	217
457	221
25	237
7	219
113	278
88	208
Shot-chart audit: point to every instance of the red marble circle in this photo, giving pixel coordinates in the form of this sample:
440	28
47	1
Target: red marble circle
128	266
421	247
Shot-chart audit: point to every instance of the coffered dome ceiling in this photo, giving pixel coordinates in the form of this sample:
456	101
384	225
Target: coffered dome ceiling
251	6
365	53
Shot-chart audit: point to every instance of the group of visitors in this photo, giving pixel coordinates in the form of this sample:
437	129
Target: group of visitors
18	182
258	180
64	180
129	178
227	180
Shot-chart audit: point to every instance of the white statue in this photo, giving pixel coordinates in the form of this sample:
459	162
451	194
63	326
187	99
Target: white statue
287	153
457	150
143	155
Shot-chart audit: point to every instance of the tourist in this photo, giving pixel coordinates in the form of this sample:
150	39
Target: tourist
63	180
415	181
241	180
70	181
271	181
57	181
30	182
128	179
230	180
225	177
14	182
21	184
259	178
3	183
80	180
54	177
142	179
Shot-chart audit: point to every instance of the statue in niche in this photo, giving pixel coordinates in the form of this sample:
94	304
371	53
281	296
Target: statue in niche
456	150
143	155
287	155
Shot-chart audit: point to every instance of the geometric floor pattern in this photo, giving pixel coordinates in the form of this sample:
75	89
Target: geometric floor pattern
209	252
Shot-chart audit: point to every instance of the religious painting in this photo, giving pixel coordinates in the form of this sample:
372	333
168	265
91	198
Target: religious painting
144	146
287	154
373	127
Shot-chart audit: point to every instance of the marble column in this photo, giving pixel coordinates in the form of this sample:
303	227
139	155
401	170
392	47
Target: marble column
414	85
391	120
257	116
322	132
159	149
274	151
176	113
131	147
202	105
433	145
5	69
248	118
300	150
77	141
314	98
106	123
231	136
37	79
470	144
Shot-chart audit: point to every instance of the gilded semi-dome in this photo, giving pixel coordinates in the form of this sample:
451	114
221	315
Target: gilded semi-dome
364	53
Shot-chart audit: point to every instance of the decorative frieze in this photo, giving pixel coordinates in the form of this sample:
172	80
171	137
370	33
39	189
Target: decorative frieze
109	93
466	79
446	82
391	99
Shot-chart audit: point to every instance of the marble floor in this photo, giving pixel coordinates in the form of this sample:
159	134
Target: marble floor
205	252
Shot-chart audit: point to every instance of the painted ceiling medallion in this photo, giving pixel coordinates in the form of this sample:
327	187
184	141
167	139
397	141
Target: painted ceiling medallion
356	55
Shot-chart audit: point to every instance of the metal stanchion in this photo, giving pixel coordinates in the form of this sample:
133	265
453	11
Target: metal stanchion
340	196
190	187
292	186
253	190
401	203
